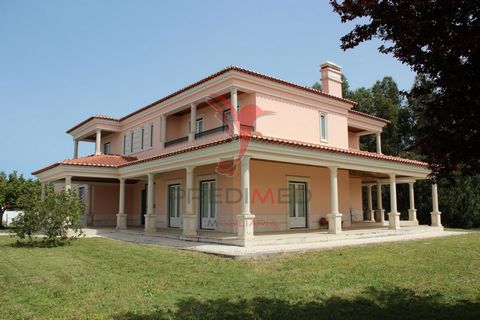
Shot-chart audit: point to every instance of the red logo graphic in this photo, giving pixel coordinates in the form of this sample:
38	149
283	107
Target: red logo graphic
239	123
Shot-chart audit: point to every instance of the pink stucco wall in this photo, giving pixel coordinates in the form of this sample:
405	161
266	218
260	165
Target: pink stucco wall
353	140
298	121
269	202
272	215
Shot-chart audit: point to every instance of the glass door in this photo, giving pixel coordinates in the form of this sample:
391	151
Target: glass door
174	220
208	206
297	211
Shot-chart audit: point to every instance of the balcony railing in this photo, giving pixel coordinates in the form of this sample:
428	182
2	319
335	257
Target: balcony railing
176	141
209	132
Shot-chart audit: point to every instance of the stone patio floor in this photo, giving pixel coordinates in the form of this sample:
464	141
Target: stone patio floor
262	249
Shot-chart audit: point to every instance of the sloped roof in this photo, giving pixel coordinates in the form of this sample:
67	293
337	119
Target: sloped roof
103	160
116	161
215	75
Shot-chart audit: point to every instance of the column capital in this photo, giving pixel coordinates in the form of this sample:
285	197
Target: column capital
333	168
151	175
245	158
189	169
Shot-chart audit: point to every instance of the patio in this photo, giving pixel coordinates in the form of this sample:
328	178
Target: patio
268	243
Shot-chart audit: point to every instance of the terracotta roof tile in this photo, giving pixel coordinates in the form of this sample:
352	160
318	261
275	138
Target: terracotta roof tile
212	76
363	114
111	161
116	161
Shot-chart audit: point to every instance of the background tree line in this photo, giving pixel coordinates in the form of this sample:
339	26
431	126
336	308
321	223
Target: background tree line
459	194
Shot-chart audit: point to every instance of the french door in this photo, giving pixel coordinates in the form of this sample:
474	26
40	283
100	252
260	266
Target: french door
297	205
208	208
174	220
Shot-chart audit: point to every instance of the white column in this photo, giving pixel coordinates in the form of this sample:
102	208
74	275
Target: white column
245	226
393	215
150	218
412	212
380	211
189	218
42	197
68	183
379	142
234	103
370	213
98	143
193	122
334	217
75	149
121	216
435	214
163	131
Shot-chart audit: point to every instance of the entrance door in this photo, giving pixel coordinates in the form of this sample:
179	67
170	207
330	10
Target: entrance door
207	204
174	206
297	211
143	210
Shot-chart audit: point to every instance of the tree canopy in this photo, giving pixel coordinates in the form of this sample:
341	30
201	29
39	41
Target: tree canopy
441	41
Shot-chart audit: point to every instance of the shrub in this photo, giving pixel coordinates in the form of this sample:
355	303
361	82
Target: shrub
57	217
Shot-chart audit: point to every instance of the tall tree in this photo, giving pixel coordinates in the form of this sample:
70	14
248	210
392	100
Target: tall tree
441	40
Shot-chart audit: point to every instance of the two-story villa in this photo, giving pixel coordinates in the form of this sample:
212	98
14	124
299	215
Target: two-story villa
299	165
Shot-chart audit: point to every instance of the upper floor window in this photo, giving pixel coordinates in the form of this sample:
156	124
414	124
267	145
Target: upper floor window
323	127
131	141
107	148
199	125
227	117
151	135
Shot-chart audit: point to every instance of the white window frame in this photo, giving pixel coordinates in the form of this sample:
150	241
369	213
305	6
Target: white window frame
124	144
107	147
167	185
151	135
305	180
323	126
132	136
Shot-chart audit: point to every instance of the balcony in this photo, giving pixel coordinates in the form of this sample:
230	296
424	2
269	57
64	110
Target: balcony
176	141
209	132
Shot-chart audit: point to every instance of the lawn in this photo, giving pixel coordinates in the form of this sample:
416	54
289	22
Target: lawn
103	279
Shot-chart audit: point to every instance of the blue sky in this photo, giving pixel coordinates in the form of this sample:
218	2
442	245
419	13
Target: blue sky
62	61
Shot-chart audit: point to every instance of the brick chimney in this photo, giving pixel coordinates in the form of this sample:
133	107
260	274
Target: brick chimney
331	76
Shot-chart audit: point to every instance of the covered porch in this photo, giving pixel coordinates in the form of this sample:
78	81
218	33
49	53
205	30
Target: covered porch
185	196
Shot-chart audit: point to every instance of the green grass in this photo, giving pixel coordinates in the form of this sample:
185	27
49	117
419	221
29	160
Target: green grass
103	279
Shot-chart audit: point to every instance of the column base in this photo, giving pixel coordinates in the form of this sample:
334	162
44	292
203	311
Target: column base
245	228
150	223
121	221
394	220
412	216
380	215
370	215
334	223
436	219
189	226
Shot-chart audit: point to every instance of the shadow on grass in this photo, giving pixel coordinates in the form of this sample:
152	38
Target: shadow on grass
371	304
